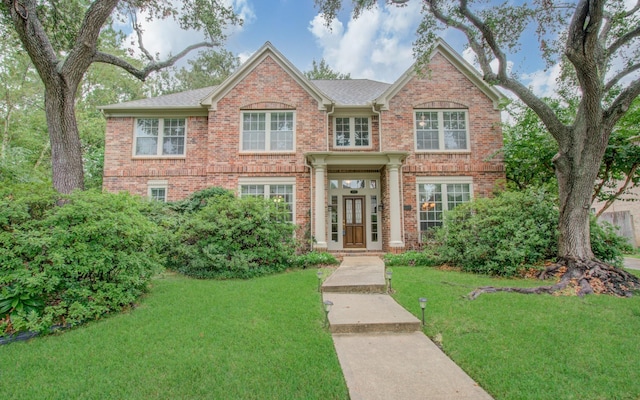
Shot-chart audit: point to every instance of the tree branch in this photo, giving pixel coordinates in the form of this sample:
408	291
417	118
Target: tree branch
620	191
80	57
138	30
620	75
621	104
623	40
143	73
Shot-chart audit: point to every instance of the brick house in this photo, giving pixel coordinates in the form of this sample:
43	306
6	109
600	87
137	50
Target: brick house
363	165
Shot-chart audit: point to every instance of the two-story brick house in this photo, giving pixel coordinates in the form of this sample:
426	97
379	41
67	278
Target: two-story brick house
362	164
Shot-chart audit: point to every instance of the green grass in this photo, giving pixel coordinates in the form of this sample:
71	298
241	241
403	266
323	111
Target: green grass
529	346
189	339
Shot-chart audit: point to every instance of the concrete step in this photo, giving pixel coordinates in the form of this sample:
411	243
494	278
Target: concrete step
368	313
360	275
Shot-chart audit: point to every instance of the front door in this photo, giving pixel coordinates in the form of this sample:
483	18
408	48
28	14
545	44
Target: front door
353	223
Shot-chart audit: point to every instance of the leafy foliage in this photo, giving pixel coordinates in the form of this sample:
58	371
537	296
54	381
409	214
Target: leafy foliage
322	70
515	230
62	265
233	238
426	258
315	258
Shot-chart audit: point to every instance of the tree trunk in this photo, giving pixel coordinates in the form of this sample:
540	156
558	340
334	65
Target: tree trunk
66	149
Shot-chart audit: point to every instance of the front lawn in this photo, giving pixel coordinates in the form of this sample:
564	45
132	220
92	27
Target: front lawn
529	346
189	339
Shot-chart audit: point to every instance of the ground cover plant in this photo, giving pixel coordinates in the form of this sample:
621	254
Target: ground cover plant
189	339
529	346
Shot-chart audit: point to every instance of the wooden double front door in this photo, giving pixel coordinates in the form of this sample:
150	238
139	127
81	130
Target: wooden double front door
354	222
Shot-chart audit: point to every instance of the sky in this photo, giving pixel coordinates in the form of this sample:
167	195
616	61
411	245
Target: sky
378	45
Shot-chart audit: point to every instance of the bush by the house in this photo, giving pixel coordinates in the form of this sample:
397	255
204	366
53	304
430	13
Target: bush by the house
315	258
62	265
426	258
511	231
234	238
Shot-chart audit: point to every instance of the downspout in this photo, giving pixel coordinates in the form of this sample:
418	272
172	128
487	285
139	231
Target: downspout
373	108
326	136
311	209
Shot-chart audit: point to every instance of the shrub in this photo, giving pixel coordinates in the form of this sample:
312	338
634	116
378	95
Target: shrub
514	230
234	238
500	235
425	258
91	256
315	258
606	244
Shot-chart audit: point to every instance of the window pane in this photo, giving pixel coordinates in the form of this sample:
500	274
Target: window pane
253	131
343	132
455	129
147	136
283	195
159	194
457	194
173	136
252	190
427	130
361	131
430	196
281	131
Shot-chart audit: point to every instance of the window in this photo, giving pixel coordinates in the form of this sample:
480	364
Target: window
160	136
436	198
441	130
352	132
157	190
280	191
267	131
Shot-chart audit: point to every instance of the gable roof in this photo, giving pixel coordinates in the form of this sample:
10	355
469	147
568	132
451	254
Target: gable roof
457	61
267	50
339	92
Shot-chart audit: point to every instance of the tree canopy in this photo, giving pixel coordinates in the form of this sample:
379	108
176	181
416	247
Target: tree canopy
63	39
322	70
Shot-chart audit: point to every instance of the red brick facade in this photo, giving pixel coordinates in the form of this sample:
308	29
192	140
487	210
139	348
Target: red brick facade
213	155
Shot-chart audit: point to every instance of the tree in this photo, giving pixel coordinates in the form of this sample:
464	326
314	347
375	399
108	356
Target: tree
209	68
322	70
529	150
597	44
63	39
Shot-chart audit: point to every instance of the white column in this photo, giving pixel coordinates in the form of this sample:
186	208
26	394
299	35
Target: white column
395	208
320	234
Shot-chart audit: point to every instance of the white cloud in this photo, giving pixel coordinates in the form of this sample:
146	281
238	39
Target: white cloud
164	37
377	45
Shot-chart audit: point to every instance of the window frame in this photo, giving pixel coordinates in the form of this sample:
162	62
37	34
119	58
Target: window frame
267	135
444	191
267	183
352	132
441	131
161	137
157	184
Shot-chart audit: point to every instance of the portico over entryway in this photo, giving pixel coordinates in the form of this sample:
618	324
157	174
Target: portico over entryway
356	197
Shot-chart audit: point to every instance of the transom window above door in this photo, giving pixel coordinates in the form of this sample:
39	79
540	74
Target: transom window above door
352	132
268	131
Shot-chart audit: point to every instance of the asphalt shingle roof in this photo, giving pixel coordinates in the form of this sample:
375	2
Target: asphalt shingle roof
342	91
189	98
351	91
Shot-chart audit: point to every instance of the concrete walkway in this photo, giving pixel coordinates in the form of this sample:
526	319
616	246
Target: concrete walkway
631	263
382	350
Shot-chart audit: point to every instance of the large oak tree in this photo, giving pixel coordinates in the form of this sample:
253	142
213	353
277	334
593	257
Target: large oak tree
597	42
63	37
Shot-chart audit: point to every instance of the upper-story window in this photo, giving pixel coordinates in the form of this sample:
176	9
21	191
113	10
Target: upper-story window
160	137
268	130
441	130
352	132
